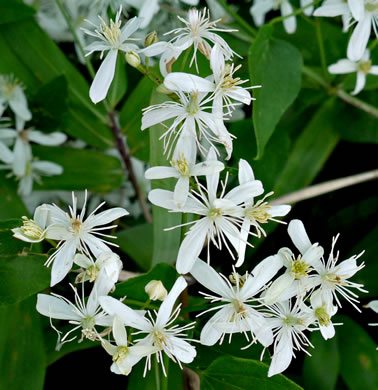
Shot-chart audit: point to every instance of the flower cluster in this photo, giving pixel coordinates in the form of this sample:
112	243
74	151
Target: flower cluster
15	143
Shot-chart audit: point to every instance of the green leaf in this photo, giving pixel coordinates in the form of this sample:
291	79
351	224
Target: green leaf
118	87
359	363
166	243
35	60
12	11
310	151
11	205
83	169
321	369
8	244
131	119
22	355
129	242
275	65
134	288
229	373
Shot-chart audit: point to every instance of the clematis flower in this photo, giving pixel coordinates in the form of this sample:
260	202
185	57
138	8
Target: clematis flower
220	216
331	8
159	335
107	262
113	38
288	323
255	213
362	67
183	167
124	356
12	94
85	315
237	312
261	7
76	233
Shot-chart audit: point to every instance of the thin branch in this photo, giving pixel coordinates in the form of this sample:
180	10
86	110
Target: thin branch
326	187
128	165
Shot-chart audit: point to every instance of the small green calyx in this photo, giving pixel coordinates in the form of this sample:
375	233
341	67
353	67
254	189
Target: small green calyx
192	108
322	316
365	66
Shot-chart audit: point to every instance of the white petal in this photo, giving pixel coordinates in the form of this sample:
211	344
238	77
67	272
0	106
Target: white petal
347	268
298	235
47	168
63	262
19	105
167	306
130	27
279	210
158	115
244	233
258	11
278	287
181	191
207	168
181	349
210	334
327	331
186	82
119	332
82	261
50	139
22	154
103	78
283	355
240	94
308	10
359	39
244	192
263	273
357	8
343	66
54	307
217	62
313	254
160	173
360	83
105	217
6	154
162	198
290	24
332	10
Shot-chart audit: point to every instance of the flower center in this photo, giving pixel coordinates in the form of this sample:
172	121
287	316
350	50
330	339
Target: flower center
31	229
299	268
290	320
365	66
228	81
9	83
92	272
333	278
192	107
159	338
111	33
181	165
371	7
258	213
120	355
214	213
240	311
88	331
323	317
237	279
76	226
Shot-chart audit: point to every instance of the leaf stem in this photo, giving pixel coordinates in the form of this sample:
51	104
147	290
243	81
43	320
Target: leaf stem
326	187
323	59
128	165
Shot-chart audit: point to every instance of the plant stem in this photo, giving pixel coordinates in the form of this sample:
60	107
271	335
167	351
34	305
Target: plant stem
164	379
157	374
326	187
294	13
242	23
76	37
128	165
323	59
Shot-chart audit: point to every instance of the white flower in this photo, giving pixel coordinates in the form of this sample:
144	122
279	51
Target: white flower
373	305
297	279
333	277
75	233
107	262
366	14
321	312
220	216
85	315
331	8
363	67
124	356
189	116
171	340
111	38
12	94
33	230
288	326
256	213
236	313
183	168
155	290
261	7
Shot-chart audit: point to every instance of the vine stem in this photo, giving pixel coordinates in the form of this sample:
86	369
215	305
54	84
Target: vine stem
128	165
326	187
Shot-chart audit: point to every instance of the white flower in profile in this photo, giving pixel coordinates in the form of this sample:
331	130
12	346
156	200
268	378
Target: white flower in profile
33	230
297	279
221	216
366	14
12	94
113	38
261	7
288	324
256	213
333	278
237	312
85	315
76	233
363	67
108	262
373	305
124	356
183	167
321	312
159	333
198	31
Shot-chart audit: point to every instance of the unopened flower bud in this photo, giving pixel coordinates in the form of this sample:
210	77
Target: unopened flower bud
151	38
132	59
156	290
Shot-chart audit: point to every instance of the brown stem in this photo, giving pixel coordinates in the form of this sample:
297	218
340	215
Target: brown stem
128	165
